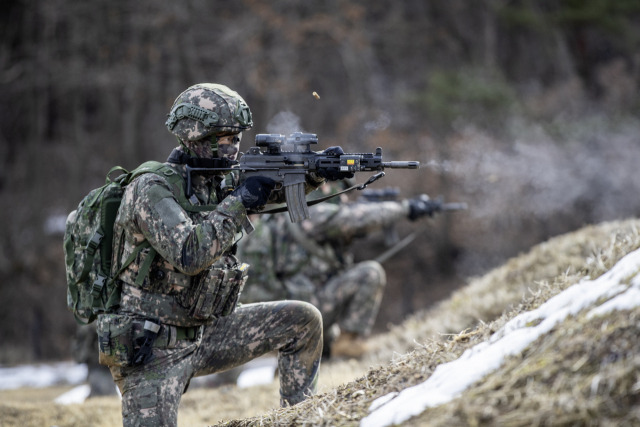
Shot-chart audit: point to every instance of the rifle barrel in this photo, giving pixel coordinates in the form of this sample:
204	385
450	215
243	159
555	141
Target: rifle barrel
401	165
454	207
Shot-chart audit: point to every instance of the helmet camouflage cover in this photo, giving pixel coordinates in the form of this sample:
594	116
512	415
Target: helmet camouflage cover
207	108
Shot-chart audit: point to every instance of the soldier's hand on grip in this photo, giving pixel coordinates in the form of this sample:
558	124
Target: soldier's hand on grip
421	206
255	191
334	174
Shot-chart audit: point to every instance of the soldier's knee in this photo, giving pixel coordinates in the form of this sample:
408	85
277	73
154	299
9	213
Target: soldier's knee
374	271
305	314
311	314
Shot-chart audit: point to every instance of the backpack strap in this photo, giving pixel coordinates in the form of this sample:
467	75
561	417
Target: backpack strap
123	172
146	265
114	297
175	181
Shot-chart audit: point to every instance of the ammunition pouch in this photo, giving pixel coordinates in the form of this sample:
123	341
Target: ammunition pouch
125	340
115	339
194	301
215	293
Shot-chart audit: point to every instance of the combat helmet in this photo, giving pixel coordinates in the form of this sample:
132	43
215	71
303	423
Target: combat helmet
207	108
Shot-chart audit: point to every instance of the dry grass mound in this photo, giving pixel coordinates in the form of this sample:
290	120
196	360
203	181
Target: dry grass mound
562	260
583	373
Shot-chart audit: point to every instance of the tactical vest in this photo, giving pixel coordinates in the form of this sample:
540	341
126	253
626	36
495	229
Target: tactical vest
161	292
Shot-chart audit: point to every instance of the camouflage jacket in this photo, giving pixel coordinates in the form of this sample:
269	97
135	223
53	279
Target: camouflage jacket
187	243
291	260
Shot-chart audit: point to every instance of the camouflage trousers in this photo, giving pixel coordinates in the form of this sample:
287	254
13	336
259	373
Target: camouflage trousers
352	298
151	393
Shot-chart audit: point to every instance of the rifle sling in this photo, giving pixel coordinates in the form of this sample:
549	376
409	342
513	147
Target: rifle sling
325	198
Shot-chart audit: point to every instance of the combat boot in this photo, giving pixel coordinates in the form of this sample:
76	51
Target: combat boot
349	345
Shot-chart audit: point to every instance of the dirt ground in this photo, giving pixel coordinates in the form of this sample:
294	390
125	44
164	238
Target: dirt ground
28	407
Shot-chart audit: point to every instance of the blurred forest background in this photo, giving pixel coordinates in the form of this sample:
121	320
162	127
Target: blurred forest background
526	110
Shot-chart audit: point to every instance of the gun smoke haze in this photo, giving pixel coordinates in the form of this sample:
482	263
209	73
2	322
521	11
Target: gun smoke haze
285	122
379	123
540	176
544	181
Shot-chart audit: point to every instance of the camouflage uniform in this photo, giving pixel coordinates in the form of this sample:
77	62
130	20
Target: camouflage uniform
187	250
187	244
311	262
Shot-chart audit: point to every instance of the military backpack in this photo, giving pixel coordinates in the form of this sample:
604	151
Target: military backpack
88	243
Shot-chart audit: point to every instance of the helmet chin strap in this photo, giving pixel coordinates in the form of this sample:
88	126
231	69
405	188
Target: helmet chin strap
186	149
214	146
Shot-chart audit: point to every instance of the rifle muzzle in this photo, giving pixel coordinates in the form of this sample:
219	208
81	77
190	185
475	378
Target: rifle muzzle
401	165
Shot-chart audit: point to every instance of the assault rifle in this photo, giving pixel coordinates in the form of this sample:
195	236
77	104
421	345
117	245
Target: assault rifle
387	194
435	205
288	159
393	194
438	204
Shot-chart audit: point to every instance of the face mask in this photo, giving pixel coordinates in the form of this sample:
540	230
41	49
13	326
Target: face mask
199	149
228	146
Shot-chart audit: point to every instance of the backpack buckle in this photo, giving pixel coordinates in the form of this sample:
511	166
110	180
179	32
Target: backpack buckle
98	284
94	242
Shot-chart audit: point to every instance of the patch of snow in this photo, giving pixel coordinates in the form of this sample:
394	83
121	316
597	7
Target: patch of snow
449	380
382	400
76	395
625	301
42	375
256	376
257	372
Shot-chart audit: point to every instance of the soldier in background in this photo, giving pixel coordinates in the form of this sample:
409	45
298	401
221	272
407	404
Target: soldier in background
311	261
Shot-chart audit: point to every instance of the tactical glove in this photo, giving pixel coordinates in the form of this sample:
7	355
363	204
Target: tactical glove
334	174
421	206
255	191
